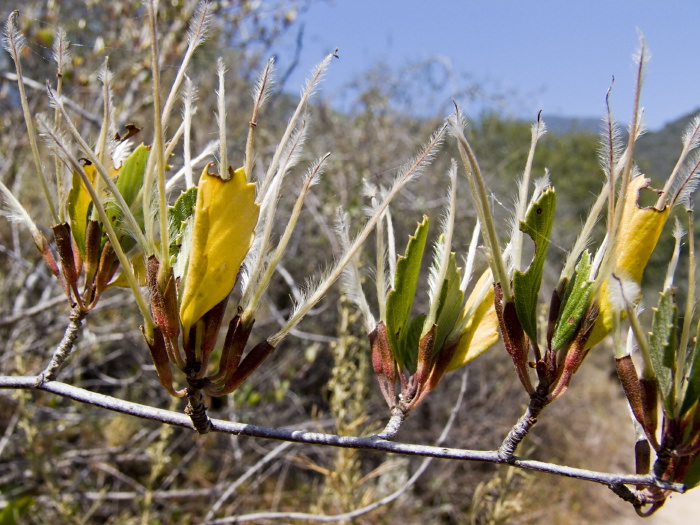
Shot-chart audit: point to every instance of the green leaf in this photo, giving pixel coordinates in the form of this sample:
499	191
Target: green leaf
400	300
181	227
662	346
574	303
450	306
691	387
129	183
178	214
15	509
526	285
692	478
131	174
411	341
183	208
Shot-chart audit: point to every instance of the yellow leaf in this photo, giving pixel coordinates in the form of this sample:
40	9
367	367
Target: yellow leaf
79	201
223	231
640	229
481	331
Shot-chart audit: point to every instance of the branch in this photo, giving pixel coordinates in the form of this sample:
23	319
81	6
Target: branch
65	347
315	438
367	508
245	477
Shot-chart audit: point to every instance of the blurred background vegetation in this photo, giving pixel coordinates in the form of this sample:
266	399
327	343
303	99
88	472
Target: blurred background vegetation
61	462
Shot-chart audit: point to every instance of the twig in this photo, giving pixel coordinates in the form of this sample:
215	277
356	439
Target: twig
242	479
34	310
314	438
367	508
95	119
197	411
65	347
11	424
398	415
538	400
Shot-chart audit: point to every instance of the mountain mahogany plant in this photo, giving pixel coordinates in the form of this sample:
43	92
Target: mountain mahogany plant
189	255
418	351
118	222
595	293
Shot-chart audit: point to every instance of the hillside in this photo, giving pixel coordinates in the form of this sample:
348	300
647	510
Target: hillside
658	151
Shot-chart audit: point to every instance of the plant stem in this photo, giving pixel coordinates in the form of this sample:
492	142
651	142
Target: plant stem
314	438
159	145
65	347
31	133
398	414
197	411
538	400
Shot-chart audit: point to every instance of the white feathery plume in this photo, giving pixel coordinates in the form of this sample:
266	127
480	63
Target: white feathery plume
132	224
257	255
14	43
62	57
679	177
678	234
370	191
324	282
221	118
13	40
391	245
15	212
189	96
640	58
611	144
196	35
435	277
350	279
199	24
480	199
289	158
410	170
106	142
382	281
598	258
541	184
121	152
630	348
61	150
261	280
311	85
264	83
537	130
641	127
689	314
622	292
208	152
61	50
688	181
471	256
247	266
443	249
261	92
691	137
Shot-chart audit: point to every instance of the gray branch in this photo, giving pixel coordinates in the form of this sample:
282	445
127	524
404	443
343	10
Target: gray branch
65	347
314	438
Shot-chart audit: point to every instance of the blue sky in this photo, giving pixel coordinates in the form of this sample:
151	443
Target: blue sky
559	56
